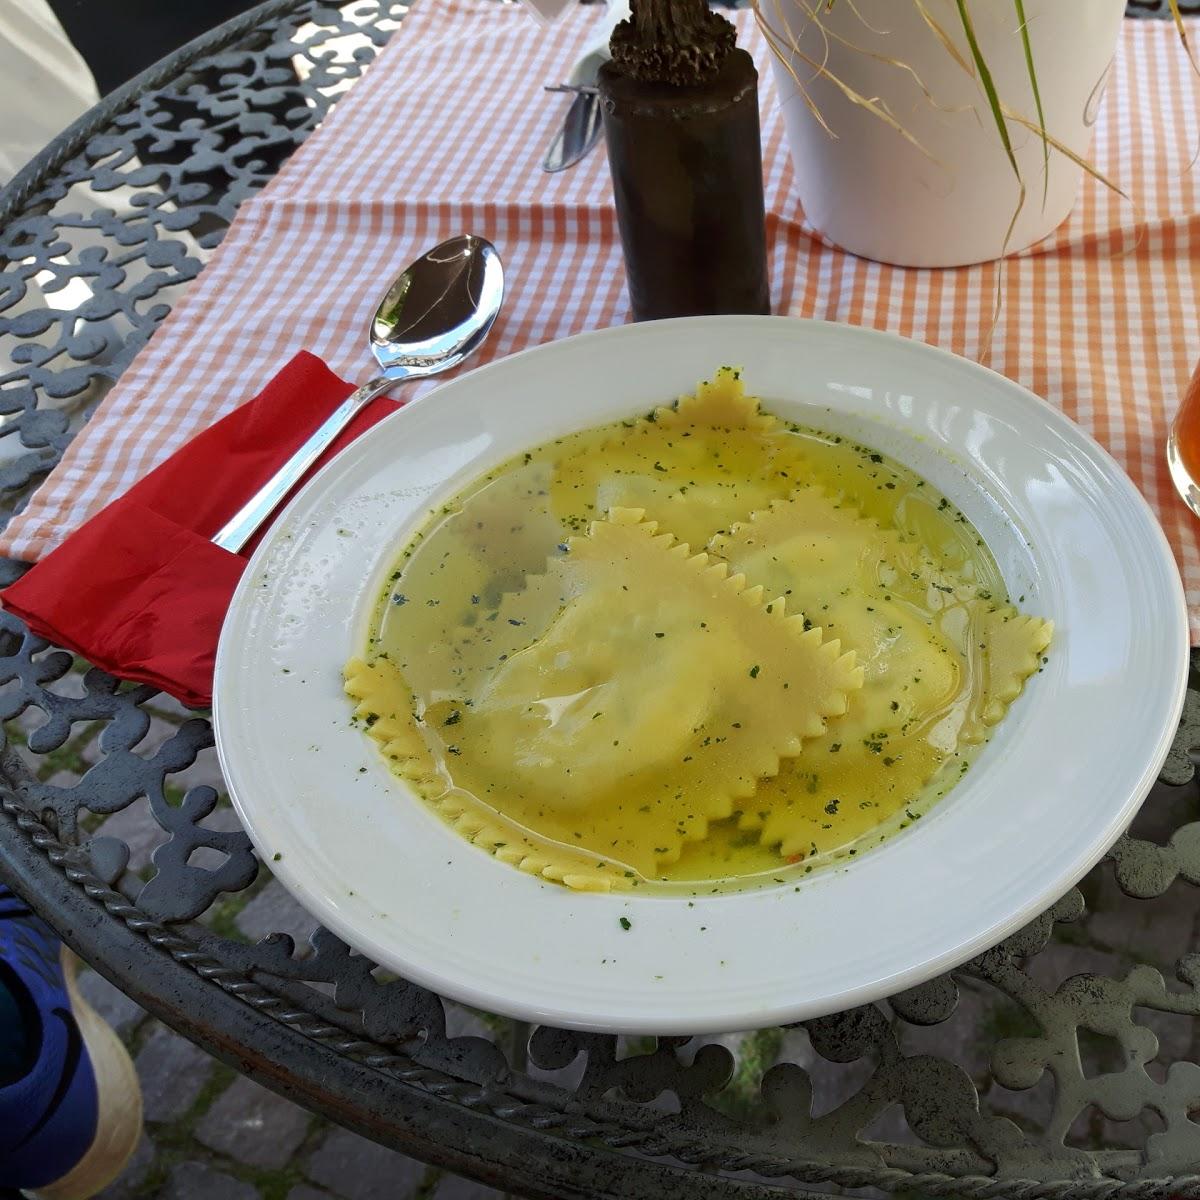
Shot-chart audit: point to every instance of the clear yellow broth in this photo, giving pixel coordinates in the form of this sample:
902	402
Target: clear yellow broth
483	545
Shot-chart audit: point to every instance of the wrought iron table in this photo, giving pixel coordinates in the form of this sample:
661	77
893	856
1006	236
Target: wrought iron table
1014	1076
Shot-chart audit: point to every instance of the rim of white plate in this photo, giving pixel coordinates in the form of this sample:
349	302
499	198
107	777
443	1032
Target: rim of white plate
373	865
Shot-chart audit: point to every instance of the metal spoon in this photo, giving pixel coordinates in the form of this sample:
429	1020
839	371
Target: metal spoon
437	312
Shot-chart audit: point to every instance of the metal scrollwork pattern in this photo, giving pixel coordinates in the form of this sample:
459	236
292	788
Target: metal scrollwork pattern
99	243
1060	1063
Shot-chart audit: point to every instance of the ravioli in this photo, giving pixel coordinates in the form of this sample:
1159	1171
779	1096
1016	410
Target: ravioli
942	662
695	469
1001	646
631	694
510	529
834	566
1008	649
386	708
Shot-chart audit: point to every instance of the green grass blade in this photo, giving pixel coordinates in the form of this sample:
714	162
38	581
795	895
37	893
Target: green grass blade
1037	97
989	86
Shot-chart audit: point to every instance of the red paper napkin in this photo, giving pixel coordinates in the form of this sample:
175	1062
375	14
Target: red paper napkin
140	590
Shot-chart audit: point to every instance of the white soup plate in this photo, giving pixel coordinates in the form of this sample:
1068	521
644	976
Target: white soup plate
1058	782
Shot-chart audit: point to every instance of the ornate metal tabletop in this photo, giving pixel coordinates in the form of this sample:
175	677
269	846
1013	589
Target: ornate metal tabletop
1061	1063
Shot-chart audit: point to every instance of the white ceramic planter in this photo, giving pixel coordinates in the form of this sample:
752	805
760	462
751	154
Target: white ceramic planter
870	190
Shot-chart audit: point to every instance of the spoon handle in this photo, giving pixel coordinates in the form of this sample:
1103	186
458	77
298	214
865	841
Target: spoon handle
242	526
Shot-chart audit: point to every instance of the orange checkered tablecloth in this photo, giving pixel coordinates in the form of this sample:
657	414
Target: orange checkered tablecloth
445	134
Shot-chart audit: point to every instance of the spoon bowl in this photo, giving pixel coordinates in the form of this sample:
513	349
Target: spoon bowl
436	313
439	310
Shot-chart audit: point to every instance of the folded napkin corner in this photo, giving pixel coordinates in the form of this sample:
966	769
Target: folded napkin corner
140	590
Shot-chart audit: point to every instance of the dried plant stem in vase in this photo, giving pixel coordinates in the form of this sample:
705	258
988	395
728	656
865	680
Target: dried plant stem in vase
680	104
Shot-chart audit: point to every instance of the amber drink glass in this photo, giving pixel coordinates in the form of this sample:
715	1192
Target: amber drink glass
1183	446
